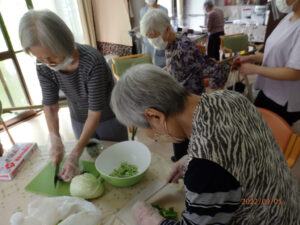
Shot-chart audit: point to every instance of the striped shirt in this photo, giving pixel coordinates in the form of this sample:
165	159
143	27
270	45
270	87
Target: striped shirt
236	173
87	88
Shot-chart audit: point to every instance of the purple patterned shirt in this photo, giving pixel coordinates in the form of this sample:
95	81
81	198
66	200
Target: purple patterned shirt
190	66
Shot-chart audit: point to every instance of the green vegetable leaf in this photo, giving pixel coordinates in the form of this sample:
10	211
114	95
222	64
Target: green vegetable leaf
125	170
169	213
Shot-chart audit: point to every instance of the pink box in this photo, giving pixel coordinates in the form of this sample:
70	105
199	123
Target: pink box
13	160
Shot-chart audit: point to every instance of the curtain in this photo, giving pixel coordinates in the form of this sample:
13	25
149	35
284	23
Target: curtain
112	23
180	12
87	20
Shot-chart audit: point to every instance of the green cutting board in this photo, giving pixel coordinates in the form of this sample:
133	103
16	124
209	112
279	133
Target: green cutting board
43	183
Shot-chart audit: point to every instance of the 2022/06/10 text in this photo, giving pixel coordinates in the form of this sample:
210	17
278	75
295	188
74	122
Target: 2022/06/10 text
261	201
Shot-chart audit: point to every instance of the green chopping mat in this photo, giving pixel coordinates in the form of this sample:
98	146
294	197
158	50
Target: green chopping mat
43	183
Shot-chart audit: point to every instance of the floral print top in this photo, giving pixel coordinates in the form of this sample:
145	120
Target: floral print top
190	66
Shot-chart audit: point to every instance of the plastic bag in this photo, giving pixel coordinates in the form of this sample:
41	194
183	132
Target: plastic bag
239	83
64	210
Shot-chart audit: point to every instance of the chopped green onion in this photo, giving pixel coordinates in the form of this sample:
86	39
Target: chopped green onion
125	170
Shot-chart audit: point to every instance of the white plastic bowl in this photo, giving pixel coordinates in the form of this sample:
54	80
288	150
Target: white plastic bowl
132	152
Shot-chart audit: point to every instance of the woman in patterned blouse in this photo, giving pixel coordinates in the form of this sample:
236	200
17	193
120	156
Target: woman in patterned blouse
234	173
184	60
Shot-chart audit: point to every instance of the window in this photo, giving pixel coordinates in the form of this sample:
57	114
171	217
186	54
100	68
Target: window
19	85
194	14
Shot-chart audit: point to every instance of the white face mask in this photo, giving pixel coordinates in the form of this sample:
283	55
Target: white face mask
67	61
158	43
284	7
150	2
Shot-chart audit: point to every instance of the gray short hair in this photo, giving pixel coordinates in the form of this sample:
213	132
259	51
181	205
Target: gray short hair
146	86
208	4
45	28
154	19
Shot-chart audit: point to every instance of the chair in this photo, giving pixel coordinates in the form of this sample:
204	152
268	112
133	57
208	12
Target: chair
235	43
121	64
287	140
202	48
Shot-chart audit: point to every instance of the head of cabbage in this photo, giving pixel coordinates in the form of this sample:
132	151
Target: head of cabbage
86	186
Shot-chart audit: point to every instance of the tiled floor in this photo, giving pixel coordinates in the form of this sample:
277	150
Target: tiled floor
35	130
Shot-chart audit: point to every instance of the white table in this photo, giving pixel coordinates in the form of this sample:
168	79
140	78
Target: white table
14	198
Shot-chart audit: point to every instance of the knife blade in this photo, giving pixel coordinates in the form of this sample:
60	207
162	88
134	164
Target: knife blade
156	191
56	178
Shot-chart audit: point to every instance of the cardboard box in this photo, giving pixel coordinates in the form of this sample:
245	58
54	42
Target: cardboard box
14	159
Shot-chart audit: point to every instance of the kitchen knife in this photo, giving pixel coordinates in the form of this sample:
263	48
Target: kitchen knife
156	191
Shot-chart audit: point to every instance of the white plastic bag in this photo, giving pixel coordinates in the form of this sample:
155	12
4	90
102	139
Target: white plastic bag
234	79
66	210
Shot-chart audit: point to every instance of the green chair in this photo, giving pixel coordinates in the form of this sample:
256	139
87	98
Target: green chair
121	64
235	43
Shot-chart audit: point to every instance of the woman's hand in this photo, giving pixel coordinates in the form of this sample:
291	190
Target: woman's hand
177	171
145	214
238	61
70	168
57	149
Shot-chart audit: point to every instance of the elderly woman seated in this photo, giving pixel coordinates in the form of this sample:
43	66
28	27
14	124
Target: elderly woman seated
184	60
234	172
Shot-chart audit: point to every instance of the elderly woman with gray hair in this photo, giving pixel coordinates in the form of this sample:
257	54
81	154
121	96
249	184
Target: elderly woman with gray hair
184	60
81	72
234	172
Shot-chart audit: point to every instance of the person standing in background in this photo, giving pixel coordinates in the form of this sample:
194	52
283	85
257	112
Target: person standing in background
215	28
158	56
279	72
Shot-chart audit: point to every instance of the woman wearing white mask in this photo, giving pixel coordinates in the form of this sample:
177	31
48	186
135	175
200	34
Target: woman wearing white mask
158	56
234	172
279	74
81	72
184	60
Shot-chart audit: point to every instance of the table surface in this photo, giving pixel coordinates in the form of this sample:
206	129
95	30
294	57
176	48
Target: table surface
14	198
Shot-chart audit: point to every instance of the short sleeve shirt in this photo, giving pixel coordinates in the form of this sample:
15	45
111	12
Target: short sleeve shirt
87	88
283	50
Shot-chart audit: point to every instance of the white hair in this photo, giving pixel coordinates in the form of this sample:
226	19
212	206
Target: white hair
208	4
154	20
45	28
146	86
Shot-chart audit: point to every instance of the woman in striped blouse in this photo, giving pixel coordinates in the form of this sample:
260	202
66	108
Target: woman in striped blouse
82	74
234	172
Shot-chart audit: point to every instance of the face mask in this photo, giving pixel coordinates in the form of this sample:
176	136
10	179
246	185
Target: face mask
67	61
284	7
166	138
158	43
150	2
